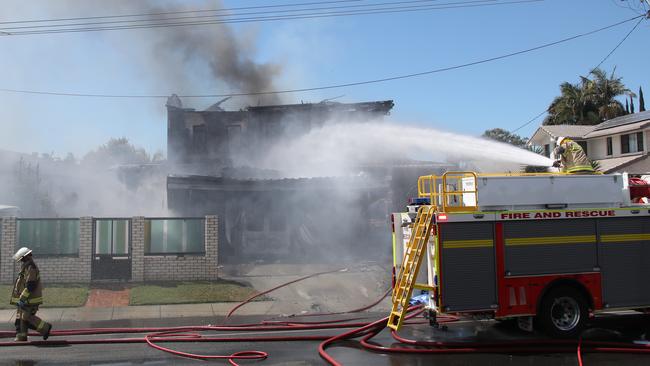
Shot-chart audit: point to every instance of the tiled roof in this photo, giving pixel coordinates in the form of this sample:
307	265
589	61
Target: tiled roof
624	120
618	129
608	165
573	131
615	125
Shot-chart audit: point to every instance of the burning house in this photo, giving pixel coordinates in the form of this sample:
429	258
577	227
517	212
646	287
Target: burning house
263	214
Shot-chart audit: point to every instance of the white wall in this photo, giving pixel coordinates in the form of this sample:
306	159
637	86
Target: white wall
597	148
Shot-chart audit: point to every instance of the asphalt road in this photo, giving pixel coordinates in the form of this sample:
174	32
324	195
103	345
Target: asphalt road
627	328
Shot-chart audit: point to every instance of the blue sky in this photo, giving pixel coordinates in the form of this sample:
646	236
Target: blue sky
315	52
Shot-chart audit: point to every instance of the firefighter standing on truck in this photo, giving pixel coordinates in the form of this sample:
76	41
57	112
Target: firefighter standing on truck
27	296
571	157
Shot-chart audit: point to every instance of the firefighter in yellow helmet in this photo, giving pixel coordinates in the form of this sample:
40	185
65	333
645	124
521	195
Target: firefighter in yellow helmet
571	158
27	296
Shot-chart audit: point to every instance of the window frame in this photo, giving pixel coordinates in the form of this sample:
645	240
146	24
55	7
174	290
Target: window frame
129	236
147	243
37	248
609	145
632	143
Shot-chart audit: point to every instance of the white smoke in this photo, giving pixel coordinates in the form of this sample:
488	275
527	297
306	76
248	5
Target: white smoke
336	149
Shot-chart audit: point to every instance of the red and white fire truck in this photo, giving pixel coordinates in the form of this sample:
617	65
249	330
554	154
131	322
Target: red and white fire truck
546	247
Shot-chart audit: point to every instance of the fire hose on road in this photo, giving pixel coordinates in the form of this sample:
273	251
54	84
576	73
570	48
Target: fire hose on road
155	336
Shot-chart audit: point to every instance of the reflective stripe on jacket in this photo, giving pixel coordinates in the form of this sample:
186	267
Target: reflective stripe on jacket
28	279
574	158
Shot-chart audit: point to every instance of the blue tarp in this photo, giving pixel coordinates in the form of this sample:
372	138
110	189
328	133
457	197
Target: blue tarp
422	298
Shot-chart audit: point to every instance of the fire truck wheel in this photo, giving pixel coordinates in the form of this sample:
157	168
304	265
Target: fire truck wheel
563	312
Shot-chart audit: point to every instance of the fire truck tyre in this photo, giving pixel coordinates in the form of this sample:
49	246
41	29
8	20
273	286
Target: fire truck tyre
563	313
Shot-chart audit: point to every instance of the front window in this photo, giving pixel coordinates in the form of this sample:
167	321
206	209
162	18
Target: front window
174	236
610	149
632	143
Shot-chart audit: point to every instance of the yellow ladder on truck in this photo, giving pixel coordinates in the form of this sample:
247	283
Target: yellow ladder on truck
410	266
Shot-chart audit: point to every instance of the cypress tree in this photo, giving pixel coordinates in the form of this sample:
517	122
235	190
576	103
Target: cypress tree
627	107
641	101
631	105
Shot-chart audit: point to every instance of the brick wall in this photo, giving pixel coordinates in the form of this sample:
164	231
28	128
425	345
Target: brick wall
61	270
137	249
190	267
77	269
70	269
7	249
67	269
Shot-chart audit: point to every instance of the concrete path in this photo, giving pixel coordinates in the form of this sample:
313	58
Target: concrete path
142	312
105	298
353	288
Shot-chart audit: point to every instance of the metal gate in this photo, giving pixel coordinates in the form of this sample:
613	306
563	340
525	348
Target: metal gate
111	249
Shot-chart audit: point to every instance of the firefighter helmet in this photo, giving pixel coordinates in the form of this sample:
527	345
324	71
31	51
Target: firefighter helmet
21	253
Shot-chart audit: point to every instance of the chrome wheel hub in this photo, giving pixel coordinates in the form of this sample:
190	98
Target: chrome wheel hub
565	313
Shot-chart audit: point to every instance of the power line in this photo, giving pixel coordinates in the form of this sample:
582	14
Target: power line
402	9
233	16
230	15
618	45
592	70
335	86
530	121
178	12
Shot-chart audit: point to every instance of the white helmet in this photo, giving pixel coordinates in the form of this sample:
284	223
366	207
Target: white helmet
21	253
559	140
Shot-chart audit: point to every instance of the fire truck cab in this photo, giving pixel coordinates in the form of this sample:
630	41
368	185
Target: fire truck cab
552	248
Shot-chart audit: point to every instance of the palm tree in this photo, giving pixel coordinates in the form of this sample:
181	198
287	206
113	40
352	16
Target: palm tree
589	102
574	106
602	91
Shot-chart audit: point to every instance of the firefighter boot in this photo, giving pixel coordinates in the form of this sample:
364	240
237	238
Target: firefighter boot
21	335
46	331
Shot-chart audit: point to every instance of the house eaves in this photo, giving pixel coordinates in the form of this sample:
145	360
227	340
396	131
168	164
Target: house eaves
618	129
571	131
555	131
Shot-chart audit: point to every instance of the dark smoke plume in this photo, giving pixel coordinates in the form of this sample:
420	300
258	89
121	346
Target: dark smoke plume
203	59
229	57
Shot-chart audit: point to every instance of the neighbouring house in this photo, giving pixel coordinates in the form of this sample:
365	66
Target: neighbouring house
618	145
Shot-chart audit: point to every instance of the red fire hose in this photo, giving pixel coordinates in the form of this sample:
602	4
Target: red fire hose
280	286
528	346
366	330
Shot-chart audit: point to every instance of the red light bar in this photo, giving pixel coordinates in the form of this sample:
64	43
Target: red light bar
442	217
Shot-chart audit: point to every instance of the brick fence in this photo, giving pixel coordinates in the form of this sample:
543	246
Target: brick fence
78	268
169	268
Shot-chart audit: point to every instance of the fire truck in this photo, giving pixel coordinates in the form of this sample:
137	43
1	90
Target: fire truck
546	249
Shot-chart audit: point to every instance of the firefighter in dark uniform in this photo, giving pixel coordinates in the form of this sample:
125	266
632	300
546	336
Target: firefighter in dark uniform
27	296
571	157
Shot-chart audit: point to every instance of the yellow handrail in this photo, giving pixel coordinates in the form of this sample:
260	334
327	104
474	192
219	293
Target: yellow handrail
446	192
427	188
450	202
446	199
